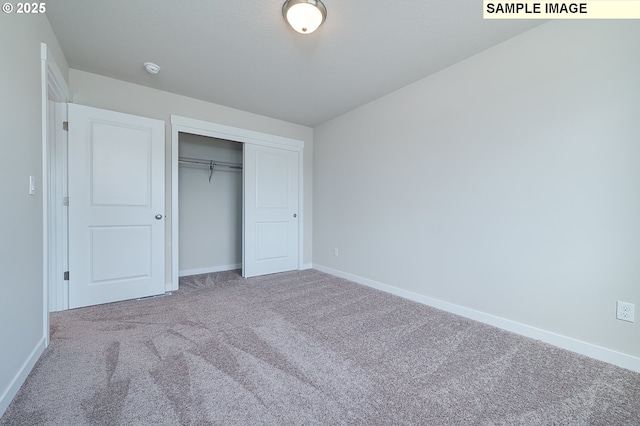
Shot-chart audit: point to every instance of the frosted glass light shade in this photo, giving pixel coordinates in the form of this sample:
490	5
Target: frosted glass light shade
304	16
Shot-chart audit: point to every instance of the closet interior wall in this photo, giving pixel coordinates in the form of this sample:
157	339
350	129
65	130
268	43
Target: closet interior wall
210	212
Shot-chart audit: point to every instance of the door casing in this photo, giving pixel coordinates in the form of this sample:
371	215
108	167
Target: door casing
181	124
54	88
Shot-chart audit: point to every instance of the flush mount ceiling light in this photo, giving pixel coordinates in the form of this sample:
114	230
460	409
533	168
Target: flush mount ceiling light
304	16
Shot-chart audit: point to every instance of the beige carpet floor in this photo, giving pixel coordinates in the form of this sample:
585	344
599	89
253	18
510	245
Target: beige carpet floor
306	348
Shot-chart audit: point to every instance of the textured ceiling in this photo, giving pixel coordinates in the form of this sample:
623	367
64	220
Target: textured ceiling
241	54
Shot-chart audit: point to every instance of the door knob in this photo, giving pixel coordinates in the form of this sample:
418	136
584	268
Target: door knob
158	216
295	215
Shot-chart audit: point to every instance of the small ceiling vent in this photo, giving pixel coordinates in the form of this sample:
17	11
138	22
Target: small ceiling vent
151	68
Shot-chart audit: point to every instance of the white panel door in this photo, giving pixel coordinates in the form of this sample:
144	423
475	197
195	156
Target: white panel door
270	210
116	206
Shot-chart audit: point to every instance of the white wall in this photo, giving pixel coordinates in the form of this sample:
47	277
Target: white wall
21	243
210	220
107	93
508	183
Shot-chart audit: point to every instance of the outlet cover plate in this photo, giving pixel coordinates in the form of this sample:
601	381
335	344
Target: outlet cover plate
626	311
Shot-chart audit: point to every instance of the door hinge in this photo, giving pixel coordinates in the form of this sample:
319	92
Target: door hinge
66	275
65	201
65	125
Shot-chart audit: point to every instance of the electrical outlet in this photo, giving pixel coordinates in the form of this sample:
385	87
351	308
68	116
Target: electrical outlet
335	252
626	311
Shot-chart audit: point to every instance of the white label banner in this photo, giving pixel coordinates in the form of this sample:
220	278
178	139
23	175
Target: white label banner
588	9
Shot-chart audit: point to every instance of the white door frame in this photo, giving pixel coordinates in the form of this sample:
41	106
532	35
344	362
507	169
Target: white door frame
205	128
54	88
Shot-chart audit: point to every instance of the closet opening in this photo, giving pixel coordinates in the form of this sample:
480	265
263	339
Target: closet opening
262	232
210	204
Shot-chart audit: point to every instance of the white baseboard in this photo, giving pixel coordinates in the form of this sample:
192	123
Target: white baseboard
187	272
600	353
306	266
13	388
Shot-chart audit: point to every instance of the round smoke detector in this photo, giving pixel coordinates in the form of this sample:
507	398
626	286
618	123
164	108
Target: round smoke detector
151	68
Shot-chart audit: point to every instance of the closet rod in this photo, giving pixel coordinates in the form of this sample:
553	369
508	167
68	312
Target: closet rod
209	163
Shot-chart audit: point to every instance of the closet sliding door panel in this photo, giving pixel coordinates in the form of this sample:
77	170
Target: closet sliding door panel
270	210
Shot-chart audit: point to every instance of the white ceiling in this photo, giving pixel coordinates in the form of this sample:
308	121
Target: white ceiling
241	54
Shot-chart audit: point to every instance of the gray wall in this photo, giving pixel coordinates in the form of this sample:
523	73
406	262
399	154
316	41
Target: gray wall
21	242
508	183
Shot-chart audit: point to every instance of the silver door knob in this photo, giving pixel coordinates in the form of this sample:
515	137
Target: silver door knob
158	216
295	215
